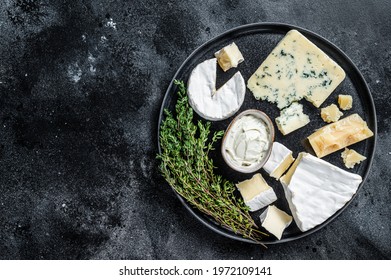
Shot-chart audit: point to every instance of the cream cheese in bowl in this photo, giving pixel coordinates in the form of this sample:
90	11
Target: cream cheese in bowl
247	141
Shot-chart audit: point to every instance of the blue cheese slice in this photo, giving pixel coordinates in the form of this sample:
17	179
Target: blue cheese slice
279	161
256	192
296	68
292	118
316	190
209	103
275	220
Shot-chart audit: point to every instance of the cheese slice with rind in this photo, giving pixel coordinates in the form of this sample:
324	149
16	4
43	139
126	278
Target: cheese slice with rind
339	135
275	220
209	103
256	192
279	161
316	190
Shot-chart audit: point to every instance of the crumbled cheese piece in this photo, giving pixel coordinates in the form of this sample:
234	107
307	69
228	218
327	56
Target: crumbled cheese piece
345	101
351	157
292	118
330	113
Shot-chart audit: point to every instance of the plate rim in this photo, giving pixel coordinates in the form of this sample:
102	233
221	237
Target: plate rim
271	25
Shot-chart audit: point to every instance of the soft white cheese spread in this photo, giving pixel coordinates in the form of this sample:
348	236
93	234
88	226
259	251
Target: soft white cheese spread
248	141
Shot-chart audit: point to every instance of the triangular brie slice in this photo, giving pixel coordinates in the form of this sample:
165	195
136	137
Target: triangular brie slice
256	192
209	103
316	190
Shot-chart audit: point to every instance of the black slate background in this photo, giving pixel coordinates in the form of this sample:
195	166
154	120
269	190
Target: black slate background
81	84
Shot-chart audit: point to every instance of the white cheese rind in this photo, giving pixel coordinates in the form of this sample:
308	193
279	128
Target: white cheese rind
296	68
278	155
209	103
275	221
261	200
229	56
256	192
317	190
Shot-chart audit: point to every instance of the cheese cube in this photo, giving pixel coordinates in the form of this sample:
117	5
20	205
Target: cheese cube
330	113
345	101
275	221
292	118
338	135
256	192
229	56
315	190
279	161
296	68
351	157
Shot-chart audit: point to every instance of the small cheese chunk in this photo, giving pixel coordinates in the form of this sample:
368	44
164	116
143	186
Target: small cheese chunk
209	103
315	190
275	221
330	113
338	135
351	157
229	56
345	101
292	118
296	68
279	161
256	192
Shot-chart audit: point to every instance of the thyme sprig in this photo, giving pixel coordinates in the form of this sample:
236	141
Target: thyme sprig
186	166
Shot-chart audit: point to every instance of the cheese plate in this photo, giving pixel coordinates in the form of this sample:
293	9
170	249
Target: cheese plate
256	42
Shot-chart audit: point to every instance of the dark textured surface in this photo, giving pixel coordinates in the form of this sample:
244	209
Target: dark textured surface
81	84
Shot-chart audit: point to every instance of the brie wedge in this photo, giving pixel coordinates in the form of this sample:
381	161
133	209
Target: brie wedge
229	56
275	220
209	103
256	192
316	190
279	161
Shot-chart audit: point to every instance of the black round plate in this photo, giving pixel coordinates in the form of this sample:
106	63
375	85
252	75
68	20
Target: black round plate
256	41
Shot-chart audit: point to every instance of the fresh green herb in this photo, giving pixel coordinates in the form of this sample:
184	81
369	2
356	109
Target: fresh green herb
186	166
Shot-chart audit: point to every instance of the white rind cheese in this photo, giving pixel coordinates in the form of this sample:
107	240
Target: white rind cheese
275	221
229	56
209	103
296	68
292	118
256	192
279	161
316	190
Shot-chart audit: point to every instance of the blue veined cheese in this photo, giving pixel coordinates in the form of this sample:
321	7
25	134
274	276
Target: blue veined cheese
292	118
256	192
315	190
296	69
211	103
